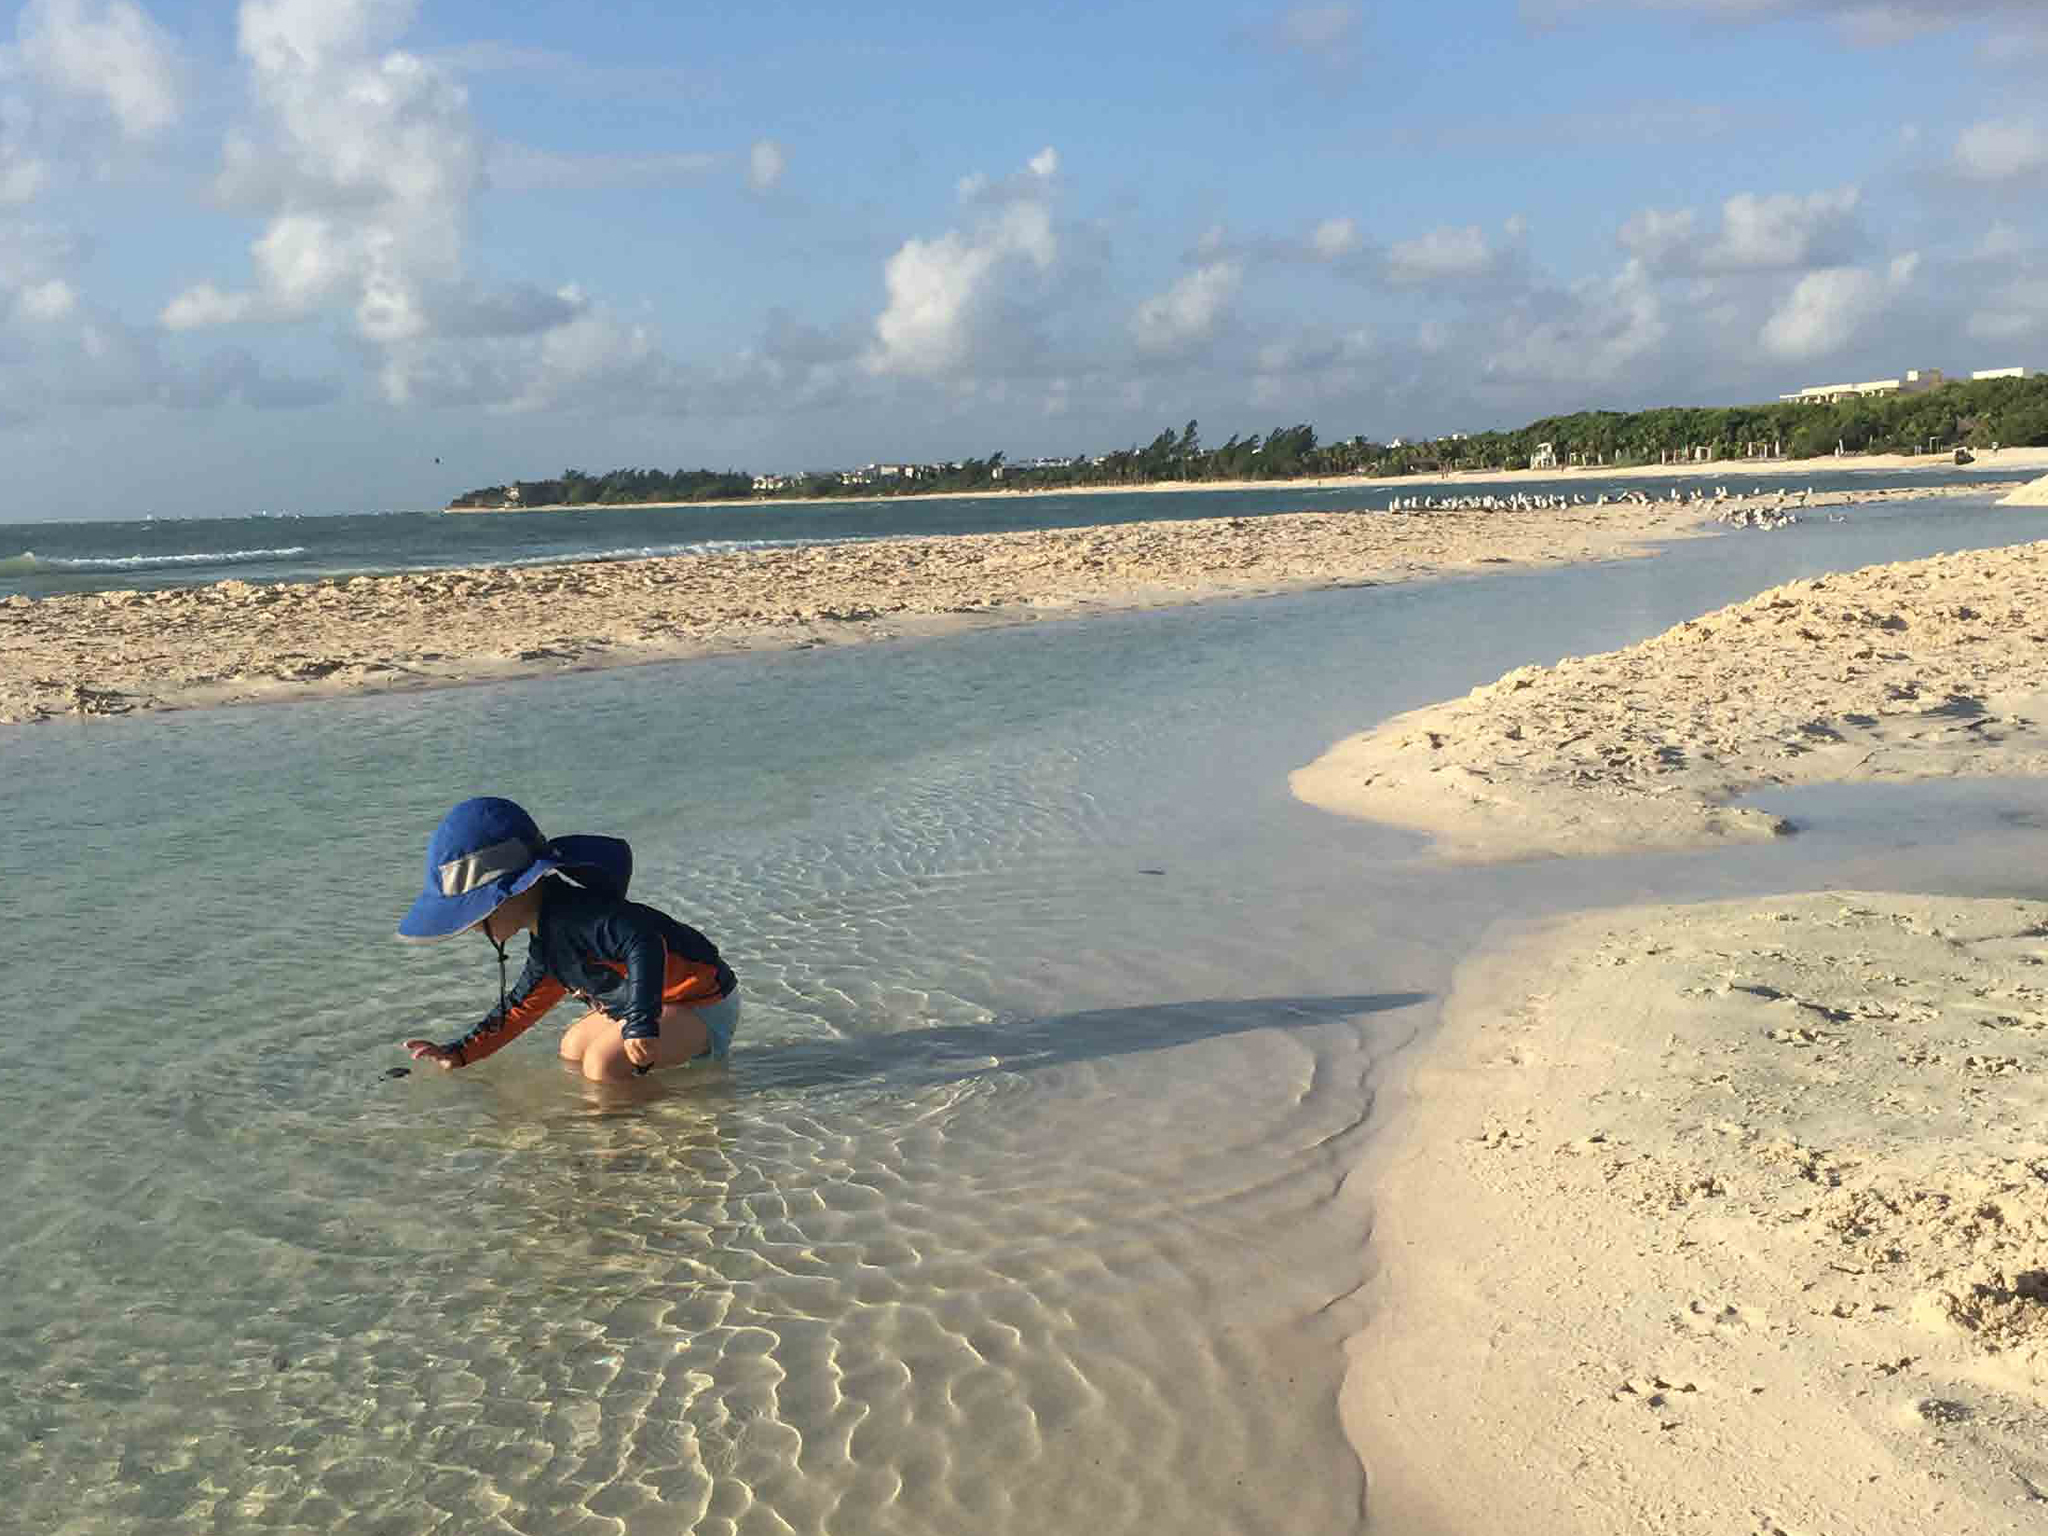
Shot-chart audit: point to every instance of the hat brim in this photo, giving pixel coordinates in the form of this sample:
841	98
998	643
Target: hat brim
435	916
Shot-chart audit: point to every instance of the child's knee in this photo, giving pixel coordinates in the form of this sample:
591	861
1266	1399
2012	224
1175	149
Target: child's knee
605	1062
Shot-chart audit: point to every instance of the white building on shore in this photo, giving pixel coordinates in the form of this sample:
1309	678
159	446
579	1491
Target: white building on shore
1915	381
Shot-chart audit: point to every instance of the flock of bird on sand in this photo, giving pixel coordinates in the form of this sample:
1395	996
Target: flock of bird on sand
1756	511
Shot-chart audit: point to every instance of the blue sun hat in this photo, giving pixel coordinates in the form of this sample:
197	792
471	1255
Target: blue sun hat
485	852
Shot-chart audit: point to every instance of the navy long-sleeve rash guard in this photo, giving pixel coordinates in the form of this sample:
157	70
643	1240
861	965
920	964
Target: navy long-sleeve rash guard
624	958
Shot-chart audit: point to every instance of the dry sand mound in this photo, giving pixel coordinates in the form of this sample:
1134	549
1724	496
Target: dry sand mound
1722	1218
2032	494
1920	669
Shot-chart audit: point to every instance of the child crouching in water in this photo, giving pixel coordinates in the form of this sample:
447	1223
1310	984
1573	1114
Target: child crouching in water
659	994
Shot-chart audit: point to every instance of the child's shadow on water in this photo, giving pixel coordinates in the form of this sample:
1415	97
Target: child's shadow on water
949	1053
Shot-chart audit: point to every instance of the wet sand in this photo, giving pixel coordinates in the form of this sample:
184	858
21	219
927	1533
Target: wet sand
1733	1216
236	642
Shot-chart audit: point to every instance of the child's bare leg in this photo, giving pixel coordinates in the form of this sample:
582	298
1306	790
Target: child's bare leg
578	1037
683	1038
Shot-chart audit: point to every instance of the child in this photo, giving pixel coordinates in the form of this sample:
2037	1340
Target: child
659	994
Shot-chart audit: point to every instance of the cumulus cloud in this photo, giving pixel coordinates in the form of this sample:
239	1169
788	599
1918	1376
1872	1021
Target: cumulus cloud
1777	233
1661	238
109	54
944	292
23	172
765	164
1334	238
365	160
1440	257
2002	149
51	299
1826	310
1763	234
1188	313
1596	333
2014	312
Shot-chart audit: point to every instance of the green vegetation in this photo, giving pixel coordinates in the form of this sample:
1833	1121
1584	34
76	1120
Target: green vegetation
2013	412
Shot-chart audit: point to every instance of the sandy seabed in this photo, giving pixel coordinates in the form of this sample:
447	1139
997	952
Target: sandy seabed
1729	1217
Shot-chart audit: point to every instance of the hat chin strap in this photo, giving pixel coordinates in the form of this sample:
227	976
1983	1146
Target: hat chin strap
499	945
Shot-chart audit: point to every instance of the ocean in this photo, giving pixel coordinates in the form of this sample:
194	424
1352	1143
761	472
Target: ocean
1022	1205
44	557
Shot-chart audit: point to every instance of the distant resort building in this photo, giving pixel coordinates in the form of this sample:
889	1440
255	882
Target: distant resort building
1915	381
1545	456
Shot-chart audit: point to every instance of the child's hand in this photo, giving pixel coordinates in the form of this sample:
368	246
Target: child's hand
640	1052
440	1055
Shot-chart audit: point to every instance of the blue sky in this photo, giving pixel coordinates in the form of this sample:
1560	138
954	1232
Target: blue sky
284	255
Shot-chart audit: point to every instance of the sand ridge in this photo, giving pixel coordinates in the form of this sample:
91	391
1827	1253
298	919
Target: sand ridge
235	641
1918	669
1721	1218
2033	494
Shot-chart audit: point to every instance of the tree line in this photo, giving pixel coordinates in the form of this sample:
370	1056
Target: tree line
1975	414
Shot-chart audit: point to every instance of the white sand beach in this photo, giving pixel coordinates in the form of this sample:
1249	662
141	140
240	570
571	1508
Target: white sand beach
1721	1218
1727	1217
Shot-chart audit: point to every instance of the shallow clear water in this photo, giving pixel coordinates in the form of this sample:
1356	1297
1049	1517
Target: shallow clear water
1021	1205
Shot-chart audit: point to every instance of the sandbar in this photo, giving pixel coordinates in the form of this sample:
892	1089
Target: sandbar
239	642
1919	669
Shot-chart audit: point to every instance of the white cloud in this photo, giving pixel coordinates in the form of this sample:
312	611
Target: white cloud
942	291
2002	149
1783	232
2001	242
1189	312
1661	238
366	162
1828	309
1045	163
2015	312
593	356
765	164
1334	238
1441	256
52	299
109	53
1596	334
22	176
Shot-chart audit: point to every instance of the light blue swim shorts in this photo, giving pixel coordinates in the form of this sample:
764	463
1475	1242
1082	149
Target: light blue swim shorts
720	1019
